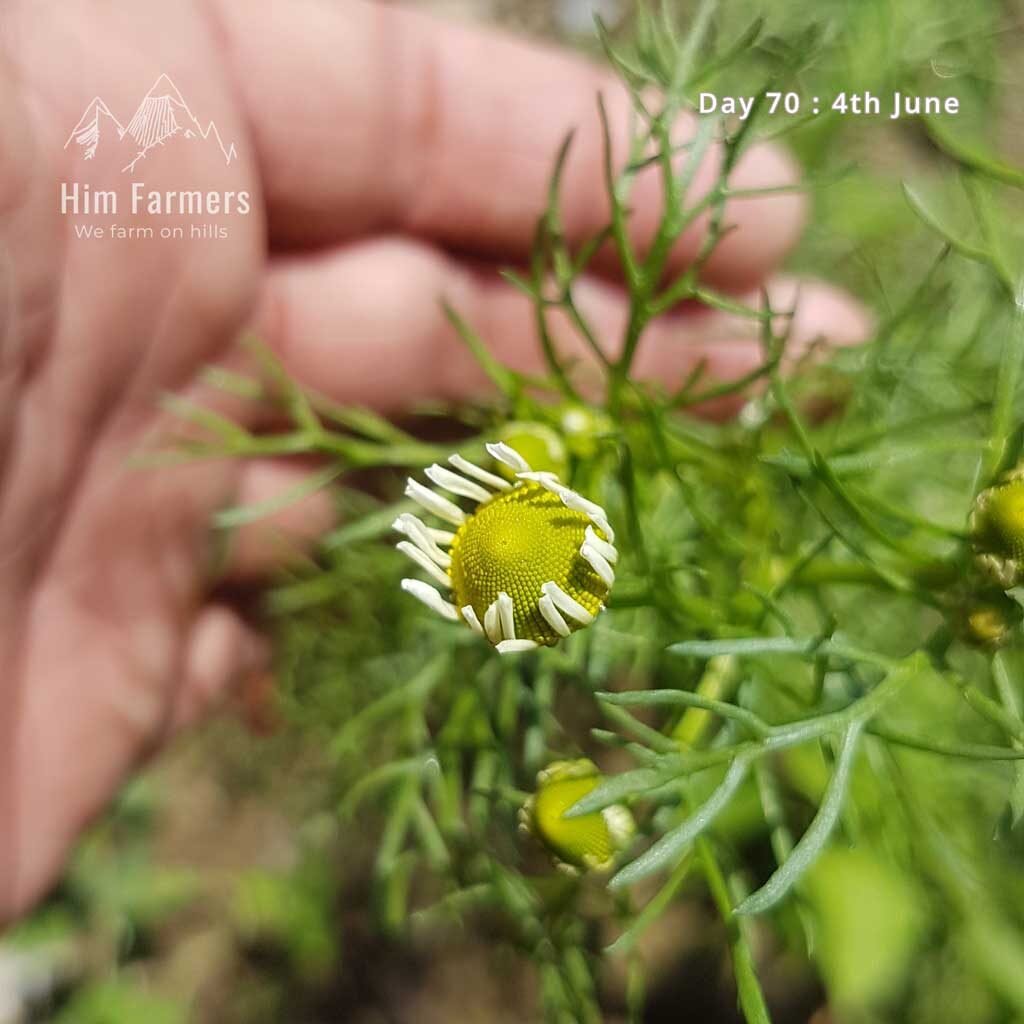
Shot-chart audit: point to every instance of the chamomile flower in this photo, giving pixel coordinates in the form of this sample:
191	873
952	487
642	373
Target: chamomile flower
531	563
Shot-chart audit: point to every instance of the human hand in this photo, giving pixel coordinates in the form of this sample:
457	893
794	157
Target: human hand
391	160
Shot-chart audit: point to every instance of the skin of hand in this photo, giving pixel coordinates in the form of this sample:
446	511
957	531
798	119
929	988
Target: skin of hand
390	160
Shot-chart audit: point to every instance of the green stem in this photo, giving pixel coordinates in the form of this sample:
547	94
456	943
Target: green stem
824	570
751	997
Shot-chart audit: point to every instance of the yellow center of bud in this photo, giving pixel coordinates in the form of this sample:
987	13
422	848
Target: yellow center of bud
1005	516
590	841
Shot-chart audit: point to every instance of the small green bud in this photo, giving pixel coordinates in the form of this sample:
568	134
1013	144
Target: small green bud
583	428
588	843
989	620
538	444
997	530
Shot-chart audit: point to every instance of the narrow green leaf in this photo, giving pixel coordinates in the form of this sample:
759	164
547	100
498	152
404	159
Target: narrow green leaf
368	527
620	232
947	748
685	60
237	384
376	780
971	155
805	647
748	987
361	420
928	217
1010	698
222	427
620	787
738	49
684	698
242	515
502	378
743	646
295	399
1007	380
672	845
521	283
653	909
873	460
394	703
817	835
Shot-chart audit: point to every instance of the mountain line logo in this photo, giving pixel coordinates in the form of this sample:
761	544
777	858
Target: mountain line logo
161	116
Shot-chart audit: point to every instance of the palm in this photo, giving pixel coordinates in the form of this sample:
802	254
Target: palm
109	635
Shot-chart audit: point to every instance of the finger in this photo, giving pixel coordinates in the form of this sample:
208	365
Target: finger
814	315
368	119
365	324
220	651
283	537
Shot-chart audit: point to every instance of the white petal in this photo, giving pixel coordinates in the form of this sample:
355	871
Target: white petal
619	823
549	481
509	456
477	473
598	563
438	536
492	623
593	511
609	551
542	476
456	484
514	646
552	616
431	598
566	604
505	610
441	507
418	533
424	562
471	619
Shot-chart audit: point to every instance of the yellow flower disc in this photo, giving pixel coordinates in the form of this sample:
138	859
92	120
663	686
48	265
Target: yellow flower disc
516	542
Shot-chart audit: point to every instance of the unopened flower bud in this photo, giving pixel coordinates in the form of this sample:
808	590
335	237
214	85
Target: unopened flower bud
997	530
583	428
989	620
589	842
538	444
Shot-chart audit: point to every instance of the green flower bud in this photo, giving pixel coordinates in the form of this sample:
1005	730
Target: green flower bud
538	444
583	428
989	620
590	842
997	530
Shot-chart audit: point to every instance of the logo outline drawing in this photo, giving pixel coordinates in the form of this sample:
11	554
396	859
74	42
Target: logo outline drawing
161	115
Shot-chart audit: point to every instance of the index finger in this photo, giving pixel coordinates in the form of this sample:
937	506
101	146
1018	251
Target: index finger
373	119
